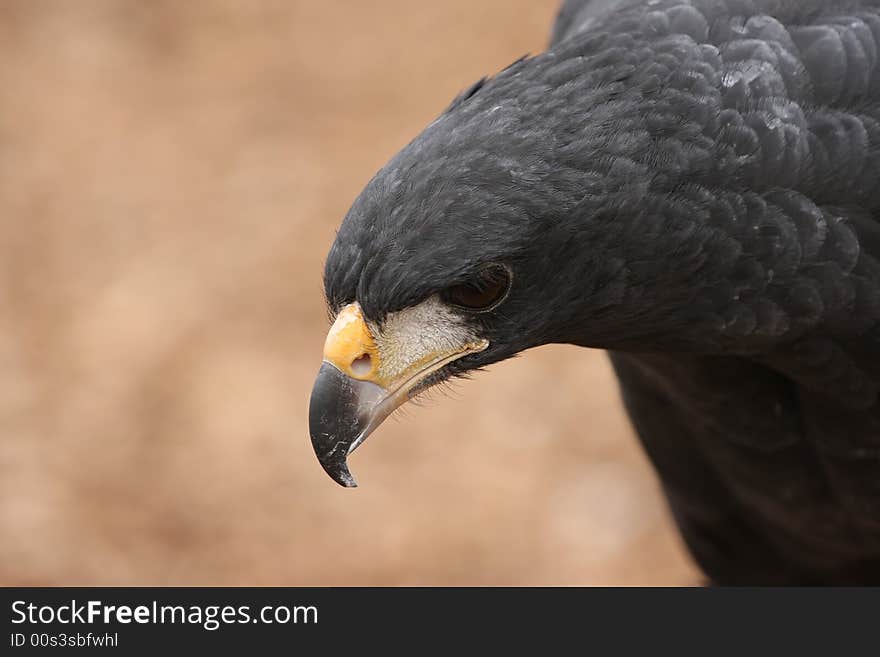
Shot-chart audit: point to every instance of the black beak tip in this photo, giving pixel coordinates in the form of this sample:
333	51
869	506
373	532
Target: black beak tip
334	423
332	455
339	472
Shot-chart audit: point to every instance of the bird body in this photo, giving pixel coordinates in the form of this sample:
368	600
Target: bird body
768	441
693	186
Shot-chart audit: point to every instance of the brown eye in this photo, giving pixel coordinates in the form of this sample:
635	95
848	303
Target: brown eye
484	292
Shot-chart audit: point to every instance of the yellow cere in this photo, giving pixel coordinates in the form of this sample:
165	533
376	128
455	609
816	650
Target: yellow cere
350	346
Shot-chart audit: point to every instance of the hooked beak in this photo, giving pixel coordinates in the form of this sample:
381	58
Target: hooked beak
355	390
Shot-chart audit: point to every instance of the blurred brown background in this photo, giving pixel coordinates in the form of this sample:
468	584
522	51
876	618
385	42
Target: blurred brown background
171	175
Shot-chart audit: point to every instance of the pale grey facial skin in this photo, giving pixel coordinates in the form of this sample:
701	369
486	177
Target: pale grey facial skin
420	334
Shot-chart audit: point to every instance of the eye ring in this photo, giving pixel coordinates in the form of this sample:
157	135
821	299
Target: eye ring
484	292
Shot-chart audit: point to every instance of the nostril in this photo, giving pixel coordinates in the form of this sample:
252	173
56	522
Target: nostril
362	365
